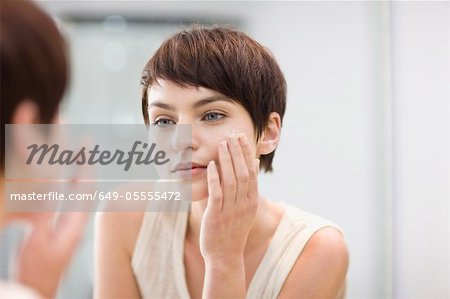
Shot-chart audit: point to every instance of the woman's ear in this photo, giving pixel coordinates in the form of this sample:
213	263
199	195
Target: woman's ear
21	134
270	137
26	113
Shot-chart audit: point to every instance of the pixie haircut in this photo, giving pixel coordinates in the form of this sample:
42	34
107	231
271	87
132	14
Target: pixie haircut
224	60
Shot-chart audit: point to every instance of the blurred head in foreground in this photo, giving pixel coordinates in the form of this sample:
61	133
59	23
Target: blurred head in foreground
33	68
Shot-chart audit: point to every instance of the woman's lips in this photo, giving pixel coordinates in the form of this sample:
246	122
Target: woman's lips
191	172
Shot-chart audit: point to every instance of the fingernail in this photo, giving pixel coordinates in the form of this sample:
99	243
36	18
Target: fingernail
211	166
257	163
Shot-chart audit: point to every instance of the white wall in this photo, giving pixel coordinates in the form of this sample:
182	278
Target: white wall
421	179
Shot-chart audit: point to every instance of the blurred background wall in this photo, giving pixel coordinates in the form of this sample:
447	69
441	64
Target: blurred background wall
364	141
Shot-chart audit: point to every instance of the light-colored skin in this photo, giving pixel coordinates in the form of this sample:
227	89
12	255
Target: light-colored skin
47	251
230	224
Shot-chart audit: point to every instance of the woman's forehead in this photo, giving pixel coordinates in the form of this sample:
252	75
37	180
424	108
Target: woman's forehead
171	92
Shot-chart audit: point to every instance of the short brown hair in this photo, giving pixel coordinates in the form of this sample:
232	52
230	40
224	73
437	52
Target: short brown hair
33	63
227	61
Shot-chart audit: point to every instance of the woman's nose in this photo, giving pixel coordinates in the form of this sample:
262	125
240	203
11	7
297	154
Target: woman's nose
184	138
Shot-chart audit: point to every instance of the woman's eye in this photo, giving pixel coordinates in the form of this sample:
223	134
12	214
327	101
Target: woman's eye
163	122
213	116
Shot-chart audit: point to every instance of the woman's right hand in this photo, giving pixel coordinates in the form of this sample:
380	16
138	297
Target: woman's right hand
47	251
227	221
232	201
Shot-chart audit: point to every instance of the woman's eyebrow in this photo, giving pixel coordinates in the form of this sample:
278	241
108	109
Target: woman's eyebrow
211	99
163	105
197	104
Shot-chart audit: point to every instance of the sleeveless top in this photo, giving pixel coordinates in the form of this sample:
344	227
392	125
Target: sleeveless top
158	266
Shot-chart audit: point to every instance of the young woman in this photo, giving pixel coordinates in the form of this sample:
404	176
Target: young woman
234	243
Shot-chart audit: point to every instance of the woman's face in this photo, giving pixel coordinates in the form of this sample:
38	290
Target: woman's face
211	118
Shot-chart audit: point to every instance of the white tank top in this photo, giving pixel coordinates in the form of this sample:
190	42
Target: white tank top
158	266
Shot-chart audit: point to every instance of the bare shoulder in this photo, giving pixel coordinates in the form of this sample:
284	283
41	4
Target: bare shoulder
120	224
115	237
120	228
321	268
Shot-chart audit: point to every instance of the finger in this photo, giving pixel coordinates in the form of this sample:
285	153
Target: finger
252	166
227	176
253	193
240	168
214	189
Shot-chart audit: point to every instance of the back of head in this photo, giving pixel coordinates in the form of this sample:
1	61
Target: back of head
33	62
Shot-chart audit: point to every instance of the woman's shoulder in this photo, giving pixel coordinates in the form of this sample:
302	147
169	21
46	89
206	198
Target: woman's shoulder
120	228
121	221
308	221
320	270
319	233
321	267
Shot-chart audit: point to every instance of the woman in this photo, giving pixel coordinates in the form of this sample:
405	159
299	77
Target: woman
234	243
34	75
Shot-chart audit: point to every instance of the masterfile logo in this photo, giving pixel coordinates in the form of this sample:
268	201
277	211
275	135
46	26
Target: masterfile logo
95	167
52	155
